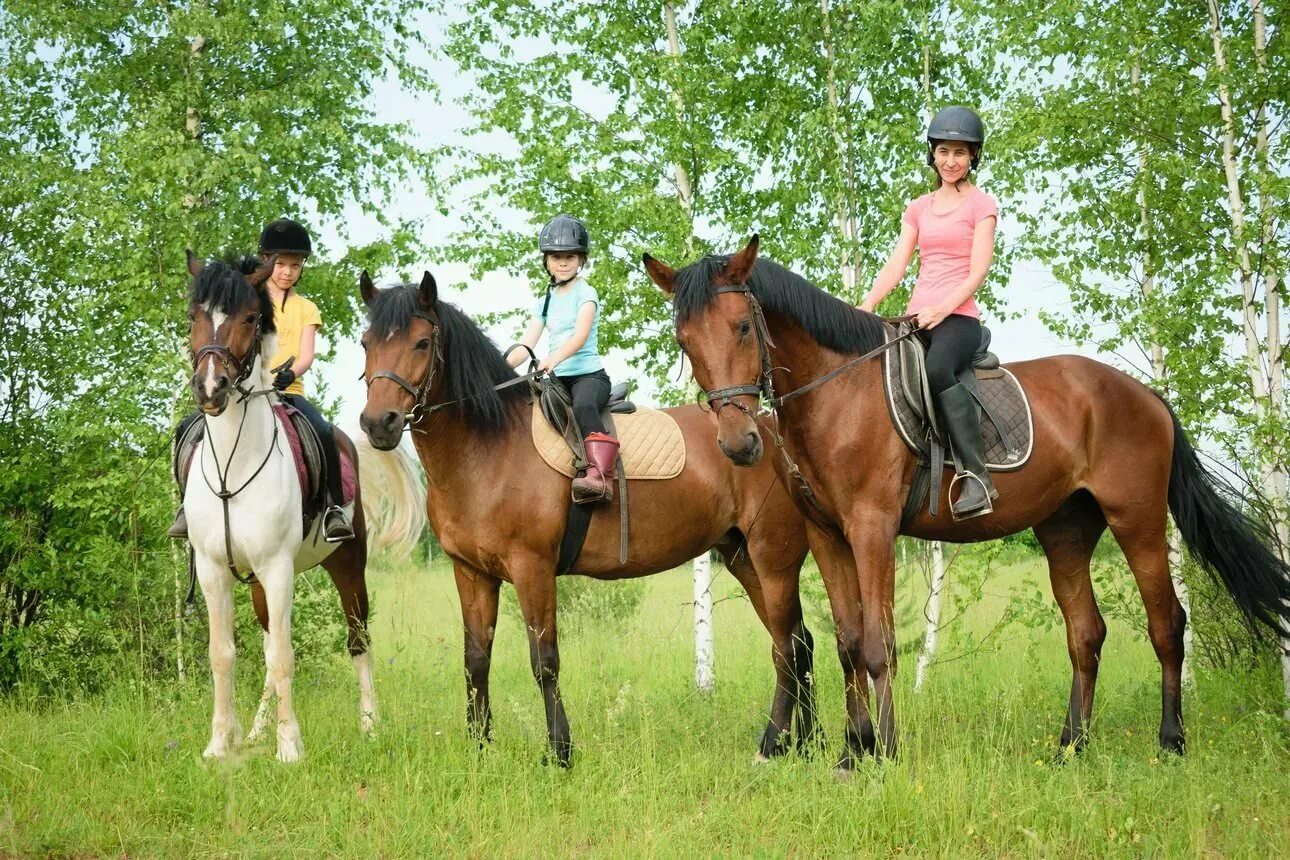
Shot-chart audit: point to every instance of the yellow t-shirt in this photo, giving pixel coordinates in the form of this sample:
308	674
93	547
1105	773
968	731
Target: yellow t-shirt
290	318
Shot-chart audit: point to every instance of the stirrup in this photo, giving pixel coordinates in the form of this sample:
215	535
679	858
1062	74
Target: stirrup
986	508
348	527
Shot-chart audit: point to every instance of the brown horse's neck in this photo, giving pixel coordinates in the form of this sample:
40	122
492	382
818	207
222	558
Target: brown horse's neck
855	396
455	456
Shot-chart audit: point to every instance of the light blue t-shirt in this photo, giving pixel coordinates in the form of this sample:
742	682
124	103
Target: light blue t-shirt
562	319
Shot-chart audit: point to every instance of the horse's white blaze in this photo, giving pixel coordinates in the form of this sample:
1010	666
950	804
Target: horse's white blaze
217	320
367	715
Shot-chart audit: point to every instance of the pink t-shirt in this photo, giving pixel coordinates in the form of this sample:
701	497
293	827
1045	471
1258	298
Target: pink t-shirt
945	248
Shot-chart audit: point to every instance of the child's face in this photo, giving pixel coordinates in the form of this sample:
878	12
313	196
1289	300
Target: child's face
563	266
286	271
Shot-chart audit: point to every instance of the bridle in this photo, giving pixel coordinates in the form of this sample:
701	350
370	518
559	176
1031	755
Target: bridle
420	393
764	387
230	362
421	407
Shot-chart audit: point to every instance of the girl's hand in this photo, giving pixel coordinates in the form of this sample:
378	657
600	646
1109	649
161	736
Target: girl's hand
546	365
930	318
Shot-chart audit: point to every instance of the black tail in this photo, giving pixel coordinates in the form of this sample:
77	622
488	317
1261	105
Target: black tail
1232	547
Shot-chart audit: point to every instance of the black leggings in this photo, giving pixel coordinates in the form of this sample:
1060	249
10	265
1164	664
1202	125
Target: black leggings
950	347
321	426
590	393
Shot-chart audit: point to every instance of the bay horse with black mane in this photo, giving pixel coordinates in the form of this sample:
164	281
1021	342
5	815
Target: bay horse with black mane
245	504
499	510
1108	451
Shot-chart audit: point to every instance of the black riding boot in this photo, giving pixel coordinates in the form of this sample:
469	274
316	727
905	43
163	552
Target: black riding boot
963	423
179	528
336	526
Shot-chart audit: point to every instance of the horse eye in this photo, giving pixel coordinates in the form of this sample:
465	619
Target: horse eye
423	344
252	318
745	328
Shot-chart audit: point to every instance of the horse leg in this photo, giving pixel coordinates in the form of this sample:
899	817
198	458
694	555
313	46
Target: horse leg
478	593
347	567
217	589
279	589
773	607
1069	537
535	586
838	570
873	542
1140	531
261	721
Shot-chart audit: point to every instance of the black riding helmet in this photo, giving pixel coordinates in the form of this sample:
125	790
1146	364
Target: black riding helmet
564	234
285	236
956	123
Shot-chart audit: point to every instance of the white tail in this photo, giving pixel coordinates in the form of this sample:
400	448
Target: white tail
393	496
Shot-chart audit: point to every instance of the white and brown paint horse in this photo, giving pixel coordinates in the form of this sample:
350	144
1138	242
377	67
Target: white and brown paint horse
244	504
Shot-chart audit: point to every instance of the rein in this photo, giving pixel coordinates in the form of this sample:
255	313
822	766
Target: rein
243	366
764	387
421	408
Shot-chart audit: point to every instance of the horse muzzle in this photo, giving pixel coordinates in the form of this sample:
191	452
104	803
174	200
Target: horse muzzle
384	430
743	447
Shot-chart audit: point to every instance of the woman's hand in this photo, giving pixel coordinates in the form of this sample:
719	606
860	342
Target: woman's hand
930	318
547	365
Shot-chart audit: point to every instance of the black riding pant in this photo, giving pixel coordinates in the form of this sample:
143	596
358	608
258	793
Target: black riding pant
590	394
321	426
950	347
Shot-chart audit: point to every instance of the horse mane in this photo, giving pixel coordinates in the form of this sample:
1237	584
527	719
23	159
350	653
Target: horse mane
830	321
472	364
221	285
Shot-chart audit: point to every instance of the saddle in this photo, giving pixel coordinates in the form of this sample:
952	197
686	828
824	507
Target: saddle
306	452
650	447
1007	427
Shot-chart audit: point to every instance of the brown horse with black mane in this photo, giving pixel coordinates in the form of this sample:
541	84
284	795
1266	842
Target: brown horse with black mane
499	510
1107	452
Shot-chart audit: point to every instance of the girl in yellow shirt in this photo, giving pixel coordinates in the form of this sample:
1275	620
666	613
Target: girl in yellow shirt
297	321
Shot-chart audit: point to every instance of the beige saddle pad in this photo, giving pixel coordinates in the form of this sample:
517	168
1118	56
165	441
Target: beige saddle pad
653	448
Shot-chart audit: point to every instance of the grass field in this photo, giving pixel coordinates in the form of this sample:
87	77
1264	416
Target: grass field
659	769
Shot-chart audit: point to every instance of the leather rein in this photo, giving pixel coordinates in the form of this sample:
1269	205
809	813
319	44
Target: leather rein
421	407
764	387
243	366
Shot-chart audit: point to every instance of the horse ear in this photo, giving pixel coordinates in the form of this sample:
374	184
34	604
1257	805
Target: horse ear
428	292
660	273
366	288
741	264
260	275
194	263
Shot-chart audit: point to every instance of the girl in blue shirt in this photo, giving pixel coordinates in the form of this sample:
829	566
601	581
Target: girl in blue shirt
570	310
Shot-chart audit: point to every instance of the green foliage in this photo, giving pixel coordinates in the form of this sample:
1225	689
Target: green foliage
128	132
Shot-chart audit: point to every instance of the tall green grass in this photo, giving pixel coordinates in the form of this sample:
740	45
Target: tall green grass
658	769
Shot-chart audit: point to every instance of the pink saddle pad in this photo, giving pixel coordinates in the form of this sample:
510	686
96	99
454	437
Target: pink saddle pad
347	480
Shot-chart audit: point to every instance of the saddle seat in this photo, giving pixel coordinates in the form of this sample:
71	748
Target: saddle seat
1007	426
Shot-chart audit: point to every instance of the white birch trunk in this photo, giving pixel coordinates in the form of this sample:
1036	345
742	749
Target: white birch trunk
704	648
933	614
705	655
1254	350
846	222
1158	369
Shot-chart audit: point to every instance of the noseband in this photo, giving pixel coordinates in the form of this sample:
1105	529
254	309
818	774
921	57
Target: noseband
230	362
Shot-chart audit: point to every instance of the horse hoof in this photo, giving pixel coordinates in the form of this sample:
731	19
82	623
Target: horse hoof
844	774
760	758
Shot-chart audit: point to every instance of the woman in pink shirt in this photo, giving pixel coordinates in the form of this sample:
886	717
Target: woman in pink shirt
952	228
